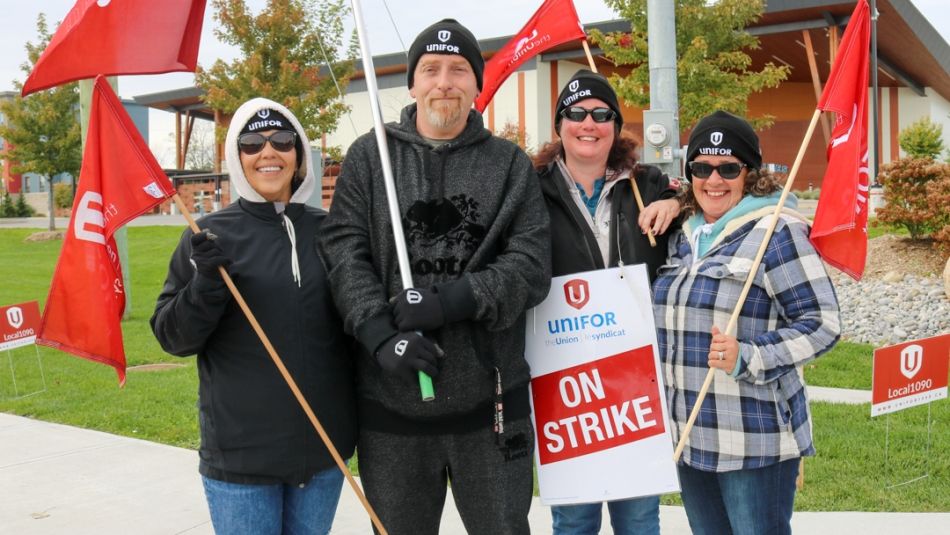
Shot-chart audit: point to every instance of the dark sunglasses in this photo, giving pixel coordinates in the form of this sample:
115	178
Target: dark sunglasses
578	114
252	142
726	170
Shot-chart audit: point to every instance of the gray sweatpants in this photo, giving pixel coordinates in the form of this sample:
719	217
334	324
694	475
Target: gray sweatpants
404	478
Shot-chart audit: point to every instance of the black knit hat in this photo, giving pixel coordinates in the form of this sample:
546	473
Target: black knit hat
724	134
266	119
447	37
586	84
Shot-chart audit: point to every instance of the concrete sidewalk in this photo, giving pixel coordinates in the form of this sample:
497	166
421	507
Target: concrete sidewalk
59	479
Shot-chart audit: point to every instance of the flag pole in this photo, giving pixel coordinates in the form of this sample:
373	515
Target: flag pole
733	321
402	254
633	181
286	375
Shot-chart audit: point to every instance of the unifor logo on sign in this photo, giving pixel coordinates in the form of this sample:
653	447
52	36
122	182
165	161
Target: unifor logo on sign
912	358
15	317
576	293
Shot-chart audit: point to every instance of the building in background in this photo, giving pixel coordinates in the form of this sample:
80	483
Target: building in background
913	79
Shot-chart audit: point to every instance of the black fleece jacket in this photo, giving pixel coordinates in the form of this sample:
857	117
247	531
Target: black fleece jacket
252	429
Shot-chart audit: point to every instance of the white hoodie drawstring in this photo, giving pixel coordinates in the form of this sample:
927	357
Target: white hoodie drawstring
292	234
280	208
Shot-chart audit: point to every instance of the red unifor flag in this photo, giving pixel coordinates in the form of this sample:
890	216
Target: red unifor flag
839	232
555	22
119	180
113	37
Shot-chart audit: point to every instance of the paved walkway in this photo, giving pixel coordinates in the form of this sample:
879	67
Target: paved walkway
60	479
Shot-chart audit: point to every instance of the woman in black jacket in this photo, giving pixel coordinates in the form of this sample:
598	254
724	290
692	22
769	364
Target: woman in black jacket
263	466
595	223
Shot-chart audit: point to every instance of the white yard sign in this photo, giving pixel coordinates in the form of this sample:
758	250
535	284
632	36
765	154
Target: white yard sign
598	404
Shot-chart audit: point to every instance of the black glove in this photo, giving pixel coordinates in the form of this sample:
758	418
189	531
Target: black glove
207	254
416	309
407	353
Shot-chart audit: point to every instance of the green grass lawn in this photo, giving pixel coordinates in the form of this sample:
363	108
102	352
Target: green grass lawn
849	472
158	406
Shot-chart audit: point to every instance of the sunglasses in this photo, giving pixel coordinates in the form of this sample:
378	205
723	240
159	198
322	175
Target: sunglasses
252	143
578	114
727	171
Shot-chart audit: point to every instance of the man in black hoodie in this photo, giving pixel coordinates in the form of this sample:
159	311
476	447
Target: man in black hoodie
476	230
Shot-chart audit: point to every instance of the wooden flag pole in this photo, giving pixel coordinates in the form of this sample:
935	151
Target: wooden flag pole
286	375
633	181
734	320
636	194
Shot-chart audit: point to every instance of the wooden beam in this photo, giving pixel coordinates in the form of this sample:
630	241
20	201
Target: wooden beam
555	91
179	161
816	82
218	147
521	110
189	125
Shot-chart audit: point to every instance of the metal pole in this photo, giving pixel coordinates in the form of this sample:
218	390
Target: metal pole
874	104
425	382
49	203
661	27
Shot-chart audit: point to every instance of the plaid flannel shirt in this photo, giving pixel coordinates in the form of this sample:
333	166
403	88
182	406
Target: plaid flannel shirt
760	415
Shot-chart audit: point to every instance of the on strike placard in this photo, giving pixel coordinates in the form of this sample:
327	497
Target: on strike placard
910	374
597	396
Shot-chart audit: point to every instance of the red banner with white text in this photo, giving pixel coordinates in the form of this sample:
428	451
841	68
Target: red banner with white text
119	180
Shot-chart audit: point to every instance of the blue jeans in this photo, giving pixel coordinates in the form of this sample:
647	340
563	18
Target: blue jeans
238	509
742	502
636	516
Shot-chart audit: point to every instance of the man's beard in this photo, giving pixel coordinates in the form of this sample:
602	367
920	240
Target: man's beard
443	116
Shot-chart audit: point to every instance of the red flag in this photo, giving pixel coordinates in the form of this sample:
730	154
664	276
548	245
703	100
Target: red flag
841	219
555	22
119	180
114	37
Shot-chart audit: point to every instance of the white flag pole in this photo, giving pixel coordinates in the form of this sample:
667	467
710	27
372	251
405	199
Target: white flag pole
425	382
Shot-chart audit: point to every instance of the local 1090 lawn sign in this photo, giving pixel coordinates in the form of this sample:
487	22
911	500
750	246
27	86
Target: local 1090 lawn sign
598	403
910	374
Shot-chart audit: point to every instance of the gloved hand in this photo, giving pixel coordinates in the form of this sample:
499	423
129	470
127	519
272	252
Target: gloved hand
407	353
207	255
416	309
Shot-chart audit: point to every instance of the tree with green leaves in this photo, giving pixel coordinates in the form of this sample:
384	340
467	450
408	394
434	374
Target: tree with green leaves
42	130
288	51
712	69
922	139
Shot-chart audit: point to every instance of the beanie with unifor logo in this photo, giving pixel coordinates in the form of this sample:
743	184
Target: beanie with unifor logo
583	85
724	134
447	37
267	120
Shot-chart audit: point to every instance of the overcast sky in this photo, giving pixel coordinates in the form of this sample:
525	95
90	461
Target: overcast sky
486	18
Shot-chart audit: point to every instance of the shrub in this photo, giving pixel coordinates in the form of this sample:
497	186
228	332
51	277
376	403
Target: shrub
22	209
807	194
922	139
938	213
63	195
911	187
6	206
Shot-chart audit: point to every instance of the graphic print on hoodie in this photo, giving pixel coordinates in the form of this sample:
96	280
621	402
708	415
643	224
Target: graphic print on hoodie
450	225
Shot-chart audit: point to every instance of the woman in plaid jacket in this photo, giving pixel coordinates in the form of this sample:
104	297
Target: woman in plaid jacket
738	469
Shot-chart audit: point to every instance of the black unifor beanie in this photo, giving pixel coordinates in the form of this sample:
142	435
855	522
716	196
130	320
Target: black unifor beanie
583	85
724	134
447	36
266	119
